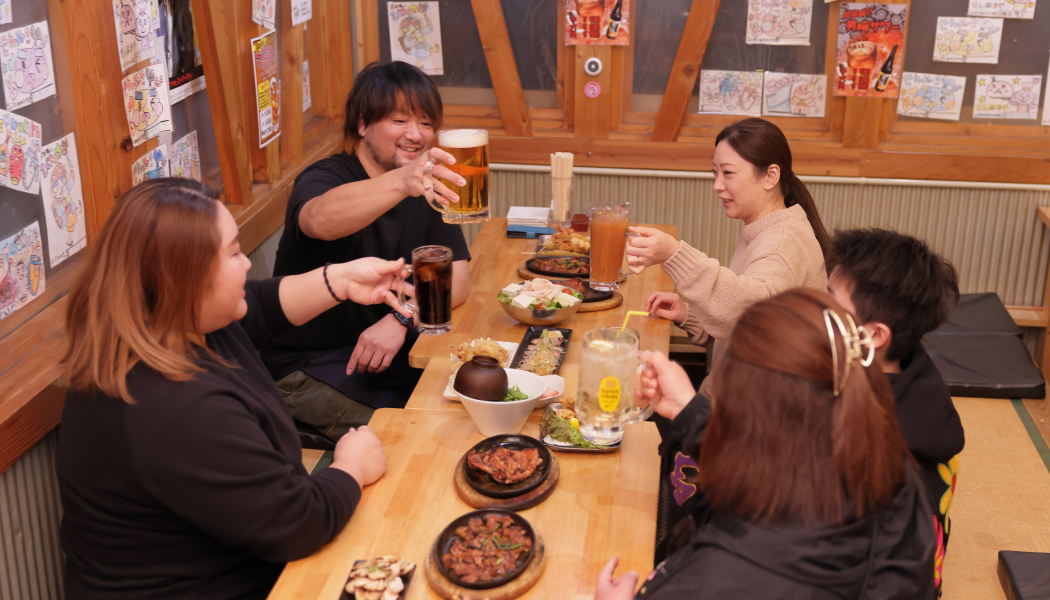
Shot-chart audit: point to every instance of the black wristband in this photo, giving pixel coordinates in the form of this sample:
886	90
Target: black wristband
324	272
408	322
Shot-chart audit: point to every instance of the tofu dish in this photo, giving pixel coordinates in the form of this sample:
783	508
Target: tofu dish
540	294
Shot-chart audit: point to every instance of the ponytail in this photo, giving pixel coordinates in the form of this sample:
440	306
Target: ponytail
795	192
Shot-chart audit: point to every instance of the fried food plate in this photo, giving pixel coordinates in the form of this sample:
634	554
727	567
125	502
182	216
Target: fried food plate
445	541
486	484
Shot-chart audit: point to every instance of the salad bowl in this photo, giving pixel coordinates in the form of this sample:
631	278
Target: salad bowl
539	302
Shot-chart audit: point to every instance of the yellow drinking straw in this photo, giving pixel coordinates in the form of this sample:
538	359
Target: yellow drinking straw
630	313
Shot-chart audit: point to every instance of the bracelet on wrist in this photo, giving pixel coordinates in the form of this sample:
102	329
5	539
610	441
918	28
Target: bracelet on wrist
324	272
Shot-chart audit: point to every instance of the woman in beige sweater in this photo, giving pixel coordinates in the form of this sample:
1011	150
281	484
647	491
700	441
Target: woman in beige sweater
781	246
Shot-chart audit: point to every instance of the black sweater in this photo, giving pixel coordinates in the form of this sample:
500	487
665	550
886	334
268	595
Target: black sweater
728	557
198	489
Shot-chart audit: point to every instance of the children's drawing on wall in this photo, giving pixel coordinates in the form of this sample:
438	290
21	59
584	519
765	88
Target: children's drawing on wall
27	65
307	101
20	140
794	95
968	40
146	103
153	165
931	96
5	11
415	35
1009	9
184	159
302	11
137	22
1046	100
779	22
263	12
731	92
870	49
21	270
63	199
268	90
1007	96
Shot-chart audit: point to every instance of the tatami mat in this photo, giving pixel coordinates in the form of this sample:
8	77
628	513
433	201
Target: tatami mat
1002	499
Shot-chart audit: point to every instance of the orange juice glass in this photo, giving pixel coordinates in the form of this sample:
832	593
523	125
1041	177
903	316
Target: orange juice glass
608	242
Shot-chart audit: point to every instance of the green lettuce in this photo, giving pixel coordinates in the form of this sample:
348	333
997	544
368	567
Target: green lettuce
563	431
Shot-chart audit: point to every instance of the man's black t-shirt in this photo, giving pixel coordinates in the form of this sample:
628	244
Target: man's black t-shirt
408	225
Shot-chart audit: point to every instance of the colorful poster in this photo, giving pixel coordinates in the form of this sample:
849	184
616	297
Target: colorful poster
779	22
5	11
28	66
263	12
146	103
598	22
415	35
307	101
794	95
63	200
177	49
137	22
267	88
302	11
931	96
731	92
21	270
153	165
20	140
1009	9
1007	96
870	49
965	40
184	159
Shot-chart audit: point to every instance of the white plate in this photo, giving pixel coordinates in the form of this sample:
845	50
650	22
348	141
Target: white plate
510	347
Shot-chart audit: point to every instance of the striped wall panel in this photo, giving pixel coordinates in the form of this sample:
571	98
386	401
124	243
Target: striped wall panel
31	559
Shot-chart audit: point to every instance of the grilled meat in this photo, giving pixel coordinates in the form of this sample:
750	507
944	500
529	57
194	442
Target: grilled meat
506	465
485	549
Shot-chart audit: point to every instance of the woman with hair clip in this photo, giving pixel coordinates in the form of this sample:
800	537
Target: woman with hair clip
781	247
179	468
812	489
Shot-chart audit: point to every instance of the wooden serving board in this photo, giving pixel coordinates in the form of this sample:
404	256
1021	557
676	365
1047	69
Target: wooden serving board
512	589
526	274
616	300
529	499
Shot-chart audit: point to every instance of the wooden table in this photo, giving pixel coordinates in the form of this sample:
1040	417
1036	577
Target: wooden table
604	504
495	260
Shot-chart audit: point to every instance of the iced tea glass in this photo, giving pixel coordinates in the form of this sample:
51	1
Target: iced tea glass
605	397
608	242
431	271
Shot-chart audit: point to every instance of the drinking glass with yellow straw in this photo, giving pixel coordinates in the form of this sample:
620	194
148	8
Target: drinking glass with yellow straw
605	397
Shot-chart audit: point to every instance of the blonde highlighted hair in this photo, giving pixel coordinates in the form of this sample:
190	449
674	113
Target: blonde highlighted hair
138	298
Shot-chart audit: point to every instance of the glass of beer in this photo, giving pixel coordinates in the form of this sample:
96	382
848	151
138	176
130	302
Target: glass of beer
861	59
470	147
608	241
431	271
605	397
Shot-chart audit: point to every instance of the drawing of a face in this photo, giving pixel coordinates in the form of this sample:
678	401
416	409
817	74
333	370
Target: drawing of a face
410	25
145	109
4	158
1024	97
31	69
143	20
127	18
999	89
17	163
59	186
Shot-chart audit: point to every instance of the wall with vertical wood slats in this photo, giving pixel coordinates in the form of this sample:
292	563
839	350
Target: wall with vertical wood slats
31	559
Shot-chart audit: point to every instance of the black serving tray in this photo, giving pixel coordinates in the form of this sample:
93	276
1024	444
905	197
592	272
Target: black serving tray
533	333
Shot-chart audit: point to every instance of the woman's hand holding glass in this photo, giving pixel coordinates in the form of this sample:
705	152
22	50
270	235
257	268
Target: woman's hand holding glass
422	176
648	247
667	305
369	281
663	384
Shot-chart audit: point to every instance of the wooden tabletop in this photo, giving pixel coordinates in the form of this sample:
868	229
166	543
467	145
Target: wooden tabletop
604	504
495	260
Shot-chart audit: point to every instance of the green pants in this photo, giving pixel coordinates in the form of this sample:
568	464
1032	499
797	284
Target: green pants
321	406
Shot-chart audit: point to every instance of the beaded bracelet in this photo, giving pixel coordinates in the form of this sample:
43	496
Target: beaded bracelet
324	272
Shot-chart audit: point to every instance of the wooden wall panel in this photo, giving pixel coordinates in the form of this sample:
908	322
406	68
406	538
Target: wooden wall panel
591	120
506	83
291	89
339	63
685	70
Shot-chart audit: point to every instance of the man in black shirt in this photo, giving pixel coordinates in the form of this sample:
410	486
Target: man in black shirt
365	201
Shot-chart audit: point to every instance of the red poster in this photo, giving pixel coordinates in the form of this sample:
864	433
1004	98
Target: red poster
597	22
870	49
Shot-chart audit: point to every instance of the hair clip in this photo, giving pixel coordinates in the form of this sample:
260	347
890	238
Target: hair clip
853	339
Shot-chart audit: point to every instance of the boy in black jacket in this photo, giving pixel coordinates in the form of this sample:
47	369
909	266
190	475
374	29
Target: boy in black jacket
900	290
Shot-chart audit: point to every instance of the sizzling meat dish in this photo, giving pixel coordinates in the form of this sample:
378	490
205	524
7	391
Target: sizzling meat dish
506	465
575	283
483	550
563	265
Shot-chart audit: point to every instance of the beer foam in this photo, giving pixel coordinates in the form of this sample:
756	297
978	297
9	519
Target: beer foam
463	138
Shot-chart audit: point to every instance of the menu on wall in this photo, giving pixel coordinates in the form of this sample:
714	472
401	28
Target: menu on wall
598	22
267	88
870	54
415	35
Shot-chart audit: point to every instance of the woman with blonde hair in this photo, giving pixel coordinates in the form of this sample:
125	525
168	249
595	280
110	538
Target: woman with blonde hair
812	490
179	467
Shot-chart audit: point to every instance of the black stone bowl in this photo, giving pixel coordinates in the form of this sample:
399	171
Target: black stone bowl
485	484
444	541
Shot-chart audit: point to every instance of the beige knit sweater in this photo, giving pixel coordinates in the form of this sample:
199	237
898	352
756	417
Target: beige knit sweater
775	253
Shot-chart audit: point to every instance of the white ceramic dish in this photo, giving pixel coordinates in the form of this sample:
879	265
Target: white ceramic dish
497	418
510	347
554	382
